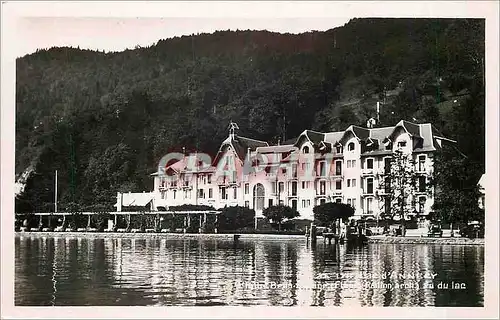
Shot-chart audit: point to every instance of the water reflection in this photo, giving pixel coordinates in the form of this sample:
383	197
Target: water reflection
80	271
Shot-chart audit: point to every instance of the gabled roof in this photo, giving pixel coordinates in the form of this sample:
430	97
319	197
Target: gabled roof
136	199
482	182
188	163
313	136
411	128
333	137
276	149
358	132
240	145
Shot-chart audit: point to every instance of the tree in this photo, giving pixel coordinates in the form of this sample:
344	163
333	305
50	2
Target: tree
457	192
234	218
278	214
327	213
397	186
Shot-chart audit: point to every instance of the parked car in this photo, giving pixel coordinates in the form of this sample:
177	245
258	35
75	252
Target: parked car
435	230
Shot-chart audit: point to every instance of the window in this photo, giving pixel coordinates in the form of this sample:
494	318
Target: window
339	149
209	178
322	187
282	203
350	146
387	185
294	170
353	203
401	144
305	149
421	204
349	202
348	163
210	193
247	188
353	182
258	196
387	205
369	185
201	193
281	186
247	204
421	184
354	163
163	195
270	202
388	146
338	168
303	184
294	188
175	191
338	200
421	163
223	193
321	201
338	185
322	168
369	205
273	187
348	183
369	163
294	204
235	193
387	165
304	203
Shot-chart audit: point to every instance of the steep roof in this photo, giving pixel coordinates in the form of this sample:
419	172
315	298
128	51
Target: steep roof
279	149
240	146
136	199
313	136
333	137
411	128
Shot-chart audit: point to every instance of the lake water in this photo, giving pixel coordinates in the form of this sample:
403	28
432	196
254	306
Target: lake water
77	271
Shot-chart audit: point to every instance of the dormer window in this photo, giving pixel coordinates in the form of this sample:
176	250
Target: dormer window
388	146
339	149
350	146
305	149
401	144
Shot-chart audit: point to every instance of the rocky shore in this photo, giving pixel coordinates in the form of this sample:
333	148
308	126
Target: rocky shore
425	240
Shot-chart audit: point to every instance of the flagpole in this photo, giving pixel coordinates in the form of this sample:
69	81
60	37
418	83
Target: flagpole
55	196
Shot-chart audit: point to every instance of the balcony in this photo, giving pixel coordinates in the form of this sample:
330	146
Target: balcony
172	185
336	192
367	172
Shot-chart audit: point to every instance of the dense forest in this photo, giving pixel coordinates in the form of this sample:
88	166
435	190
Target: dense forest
103	120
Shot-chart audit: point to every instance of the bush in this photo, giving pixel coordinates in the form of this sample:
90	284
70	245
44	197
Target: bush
327	213
278	214
235	218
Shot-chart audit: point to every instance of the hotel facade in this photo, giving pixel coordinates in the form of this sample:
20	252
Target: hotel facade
350	166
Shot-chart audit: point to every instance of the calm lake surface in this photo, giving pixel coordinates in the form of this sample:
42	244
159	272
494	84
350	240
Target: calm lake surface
78	271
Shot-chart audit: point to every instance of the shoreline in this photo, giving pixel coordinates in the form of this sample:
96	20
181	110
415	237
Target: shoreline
243	236
426	240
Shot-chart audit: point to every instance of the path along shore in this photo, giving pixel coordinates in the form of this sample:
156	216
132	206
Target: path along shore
242	236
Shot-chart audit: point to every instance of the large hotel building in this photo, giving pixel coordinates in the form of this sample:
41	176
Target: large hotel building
347	166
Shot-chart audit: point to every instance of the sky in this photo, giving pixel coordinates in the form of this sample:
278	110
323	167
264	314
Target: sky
118	34
117	25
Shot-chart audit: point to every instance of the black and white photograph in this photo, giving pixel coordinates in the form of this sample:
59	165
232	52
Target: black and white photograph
186	156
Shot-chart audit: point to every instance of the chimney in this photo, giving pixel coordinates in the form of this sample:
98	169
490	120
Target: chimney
118	202
378	111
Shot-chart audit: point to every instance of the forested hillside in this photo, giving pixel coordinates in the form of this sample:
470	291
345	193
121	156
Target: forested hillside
104	120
